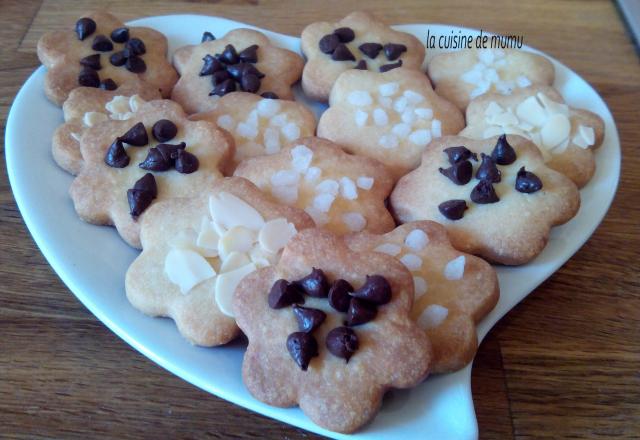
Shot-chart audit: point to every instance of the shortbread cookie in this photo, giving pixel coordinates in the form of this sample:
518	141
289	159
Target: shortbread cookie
104	53
341	192
453	290
155	155
243	60
196	250
466	74
329	329
87	106
358	41
259	125
495	196
390	117
565	135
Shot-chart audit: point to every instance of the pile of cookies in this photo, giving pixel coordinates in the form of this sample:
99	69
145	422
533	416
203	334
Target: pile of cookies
353	252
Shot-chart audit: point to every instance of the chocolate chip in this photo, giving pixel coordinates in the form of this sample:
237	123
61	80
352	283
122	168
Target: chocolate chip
483	193
186	163
392	51
315	284
118	58
250	54
362	65
453	209
136	65
170	151
135	46
283	294
226	86
339	297
250	69
164	130
302	348
342	342
308	319
147	183
108	84
116	157
85	27
142	194
89	78
250	83
219	77
457	154
370	49
527	182
211	65
328	43
503	153
207	36
459	173
360	312
236	71
102	43
229	55
92	61
387	67
155	161
136	135
342	53
488	170
345	34
376	290
120	35
269	95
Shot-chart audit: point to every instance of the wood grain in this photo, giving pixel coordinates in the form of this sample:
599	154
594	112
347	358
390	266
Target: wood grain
565	363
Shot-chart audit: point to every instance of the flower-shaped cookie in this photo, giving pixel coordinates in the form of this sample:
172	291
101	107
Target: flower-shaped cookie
342	193
196	250
104	53
358	41
565	135
307	354
259	125
453	290
122	176
243	60
466	74
390	117
88	106
495	197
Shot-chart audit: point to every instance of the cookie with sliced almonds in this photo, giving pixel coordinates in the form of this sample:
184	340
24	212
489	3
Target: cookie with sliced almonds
358	41
196	250
342	193
260	125
335	364
453	290
100	51
390	117
463	75
154	155
565	135
243	60
496	197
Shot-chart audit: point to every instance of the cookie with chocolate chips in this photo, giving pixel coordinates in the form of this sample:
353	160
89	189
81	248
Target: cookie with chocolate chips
101	52
505	220
336	371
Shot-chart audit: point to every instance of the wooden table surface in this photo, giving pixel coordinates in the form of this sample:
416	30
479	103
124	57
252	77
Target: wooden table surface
565	363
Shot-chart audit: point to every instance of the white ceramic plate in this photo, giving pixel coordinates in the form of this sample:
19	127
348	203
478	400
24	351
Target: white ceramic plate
92	260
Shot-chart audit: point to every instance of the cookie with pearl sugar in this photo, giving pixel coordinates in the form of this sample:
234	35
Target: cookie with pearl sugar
259	125
155	155
103	48
565	135
497	199
466	74
88	106
390	117
339	390
203	81
359	40
196	250
342	193
453	290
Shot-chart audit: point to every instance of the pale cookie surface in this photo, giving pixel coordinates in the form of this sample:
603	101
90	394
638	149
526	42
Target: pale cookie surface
341	192
511	230
392	351
390	117
382	47
453	290
466	74
565	135
62	53
100	192
196	250
259	125
200	85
